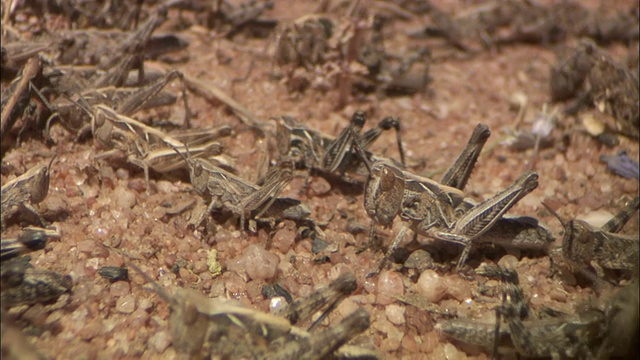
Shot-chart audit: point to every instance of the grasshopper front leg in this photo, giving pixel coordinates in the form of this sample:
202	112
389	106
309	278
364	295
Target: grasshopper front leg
483	216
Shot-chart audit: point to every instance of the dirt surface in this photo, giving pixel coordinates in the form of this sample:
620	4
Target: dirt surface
106	218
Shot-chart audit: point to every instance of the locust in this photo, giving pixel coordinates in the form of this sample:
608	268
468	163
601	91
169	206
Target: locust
125	101
433	209
580	335
586	247
313	150
219	327
224	189
25	191
150	148
30	239
22	284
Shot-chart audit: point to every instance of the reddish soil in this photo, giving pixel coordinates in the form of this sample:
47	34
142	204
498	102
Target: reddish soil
94	202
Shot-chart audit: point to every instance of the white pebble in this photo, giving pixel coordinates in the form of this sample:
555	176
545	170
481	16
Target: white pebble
395	313
276	303
431	286
389	284
259	263
126	304
165	187
125	198
451	353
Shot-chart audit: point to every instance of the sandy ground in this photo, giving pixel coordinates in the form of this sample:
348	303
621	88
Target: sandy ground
95	202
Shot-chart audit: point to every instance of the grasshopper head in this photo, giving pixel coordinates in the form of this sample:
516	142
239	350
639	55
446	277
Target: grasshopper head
383	193
576	237
41	188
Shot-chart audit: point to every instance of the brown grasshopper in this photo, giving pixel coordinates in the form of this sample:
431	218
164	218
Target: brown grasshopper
124	100
436	210
224	189
129	50
31	239
312	150
223	328
22	284
579	335
151	148
585	246
596	78
28	189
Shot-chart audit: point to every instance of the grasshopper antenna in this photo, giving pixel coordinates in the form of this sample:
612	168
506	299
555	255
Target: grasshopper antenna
172	146
399	140
156	288
554	213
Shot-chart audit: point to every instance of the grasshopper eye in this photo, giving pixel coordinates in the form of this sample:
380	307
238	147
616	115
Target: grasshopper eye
387	180
197	169
99	119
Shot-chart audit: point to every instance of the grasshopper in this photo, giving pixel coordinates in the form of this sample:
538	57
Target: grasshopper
579	335
123	100
128	52
25	285
206	326
150	148
28	189
222	188
31	239
313	150
585	246
331	296
432	209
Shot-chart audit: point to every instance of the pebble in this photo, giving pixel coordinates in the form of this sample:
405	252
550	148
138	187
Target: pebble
160	341
86	246
283	240
119	288
277	303
319	186
200	266
457	288
125	199
395	314
187	275
122	174
452	353
139	318
259	263
347	306
389	283
90	330
409	344
165	187
431	286
508	261
126	304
